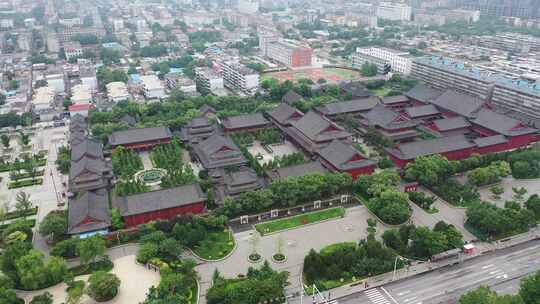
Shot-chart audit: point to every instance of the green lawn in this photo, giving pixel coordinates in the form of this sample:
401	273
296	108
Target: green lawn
299	220
216	245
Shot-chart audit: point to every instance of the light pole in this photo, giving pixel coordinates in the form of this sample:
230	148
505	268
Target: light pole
395	266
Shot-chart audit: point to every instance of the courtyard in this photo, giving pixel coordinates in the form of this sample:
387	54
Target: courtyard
133	288
265	156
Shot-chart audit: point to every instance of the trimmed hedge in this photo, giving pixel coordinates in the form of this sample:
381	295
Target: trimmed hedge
25	183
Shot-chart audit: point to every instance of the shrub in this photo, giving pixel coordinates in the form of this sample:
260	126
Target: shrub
421	199
66	248
103	286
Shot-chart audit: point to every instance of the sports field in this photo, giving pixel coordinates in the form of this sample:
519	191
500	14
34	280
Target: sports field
329	74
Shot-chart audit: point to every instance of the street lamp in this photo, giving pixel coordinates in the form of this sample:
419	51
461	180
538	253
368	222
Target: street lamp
395	266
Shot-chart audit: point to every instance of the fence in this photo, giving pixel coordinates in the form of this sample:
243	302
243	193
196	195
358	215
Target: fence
249	220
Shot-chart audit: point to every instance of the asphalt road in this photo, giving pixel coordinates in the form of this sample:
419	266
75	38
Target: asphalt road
501	270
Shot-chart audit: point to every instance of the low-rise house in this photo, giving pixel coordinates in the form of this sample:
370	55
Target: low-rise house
313	131
233	183
162	204
80	108
389	123
218	152
197	130
343	158
352	107
88	214
140	138
245	123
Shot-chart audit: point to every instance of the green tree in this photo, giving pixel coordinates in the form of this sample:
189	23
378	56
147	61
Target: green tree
533	204
429	170
91	248
368	69
54	224
5	140
103	286
44	298
22	202
497	191
529	289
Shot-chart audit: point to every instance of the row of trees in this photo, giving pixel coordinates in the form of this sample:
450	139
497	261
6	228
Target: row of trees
348	261
421	242
493	222
262	285
125	162
287	193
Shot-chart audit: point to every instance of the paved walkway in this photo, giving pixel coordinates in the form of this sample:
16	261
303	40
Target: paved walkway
146	161
135	280
532	186
297	243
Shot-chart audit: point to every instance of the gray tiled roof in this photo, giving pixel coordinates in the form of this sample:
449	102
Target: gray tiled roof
490	140
88	148
386	118
297	170
291	97
92	205
139	135
462	104
501	123
452	123
341	156
245	121
218	151
431	146
389	100
423	93
421	111
158	200
315	127
283	113
345	107
356	89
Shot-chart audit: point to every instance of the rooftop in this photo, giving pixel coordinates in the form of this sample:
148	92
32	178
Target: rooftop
139	135
159	200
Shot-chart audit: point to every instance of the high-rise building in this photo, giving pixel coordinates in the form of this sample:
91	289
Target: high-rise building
289	53
237	77
394	11
399	61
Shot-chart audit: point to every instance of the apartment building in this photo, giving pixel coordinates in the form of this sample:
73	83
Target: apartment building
510	93
399	61
238	77
117	91
207	80
394	11
289	53
443	73
267	35
152	87
73	50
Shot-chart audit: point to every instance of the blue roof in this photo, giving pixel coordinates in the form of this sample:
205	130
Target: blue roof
136	78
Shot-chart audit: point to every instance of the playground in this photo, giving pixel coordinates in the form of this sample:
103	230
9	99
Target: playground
331	75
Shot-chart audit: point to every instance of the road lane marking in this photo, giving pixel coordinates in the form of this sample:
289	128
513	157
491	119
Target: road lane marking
376	297
487	266
410	299
389	295
404	293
